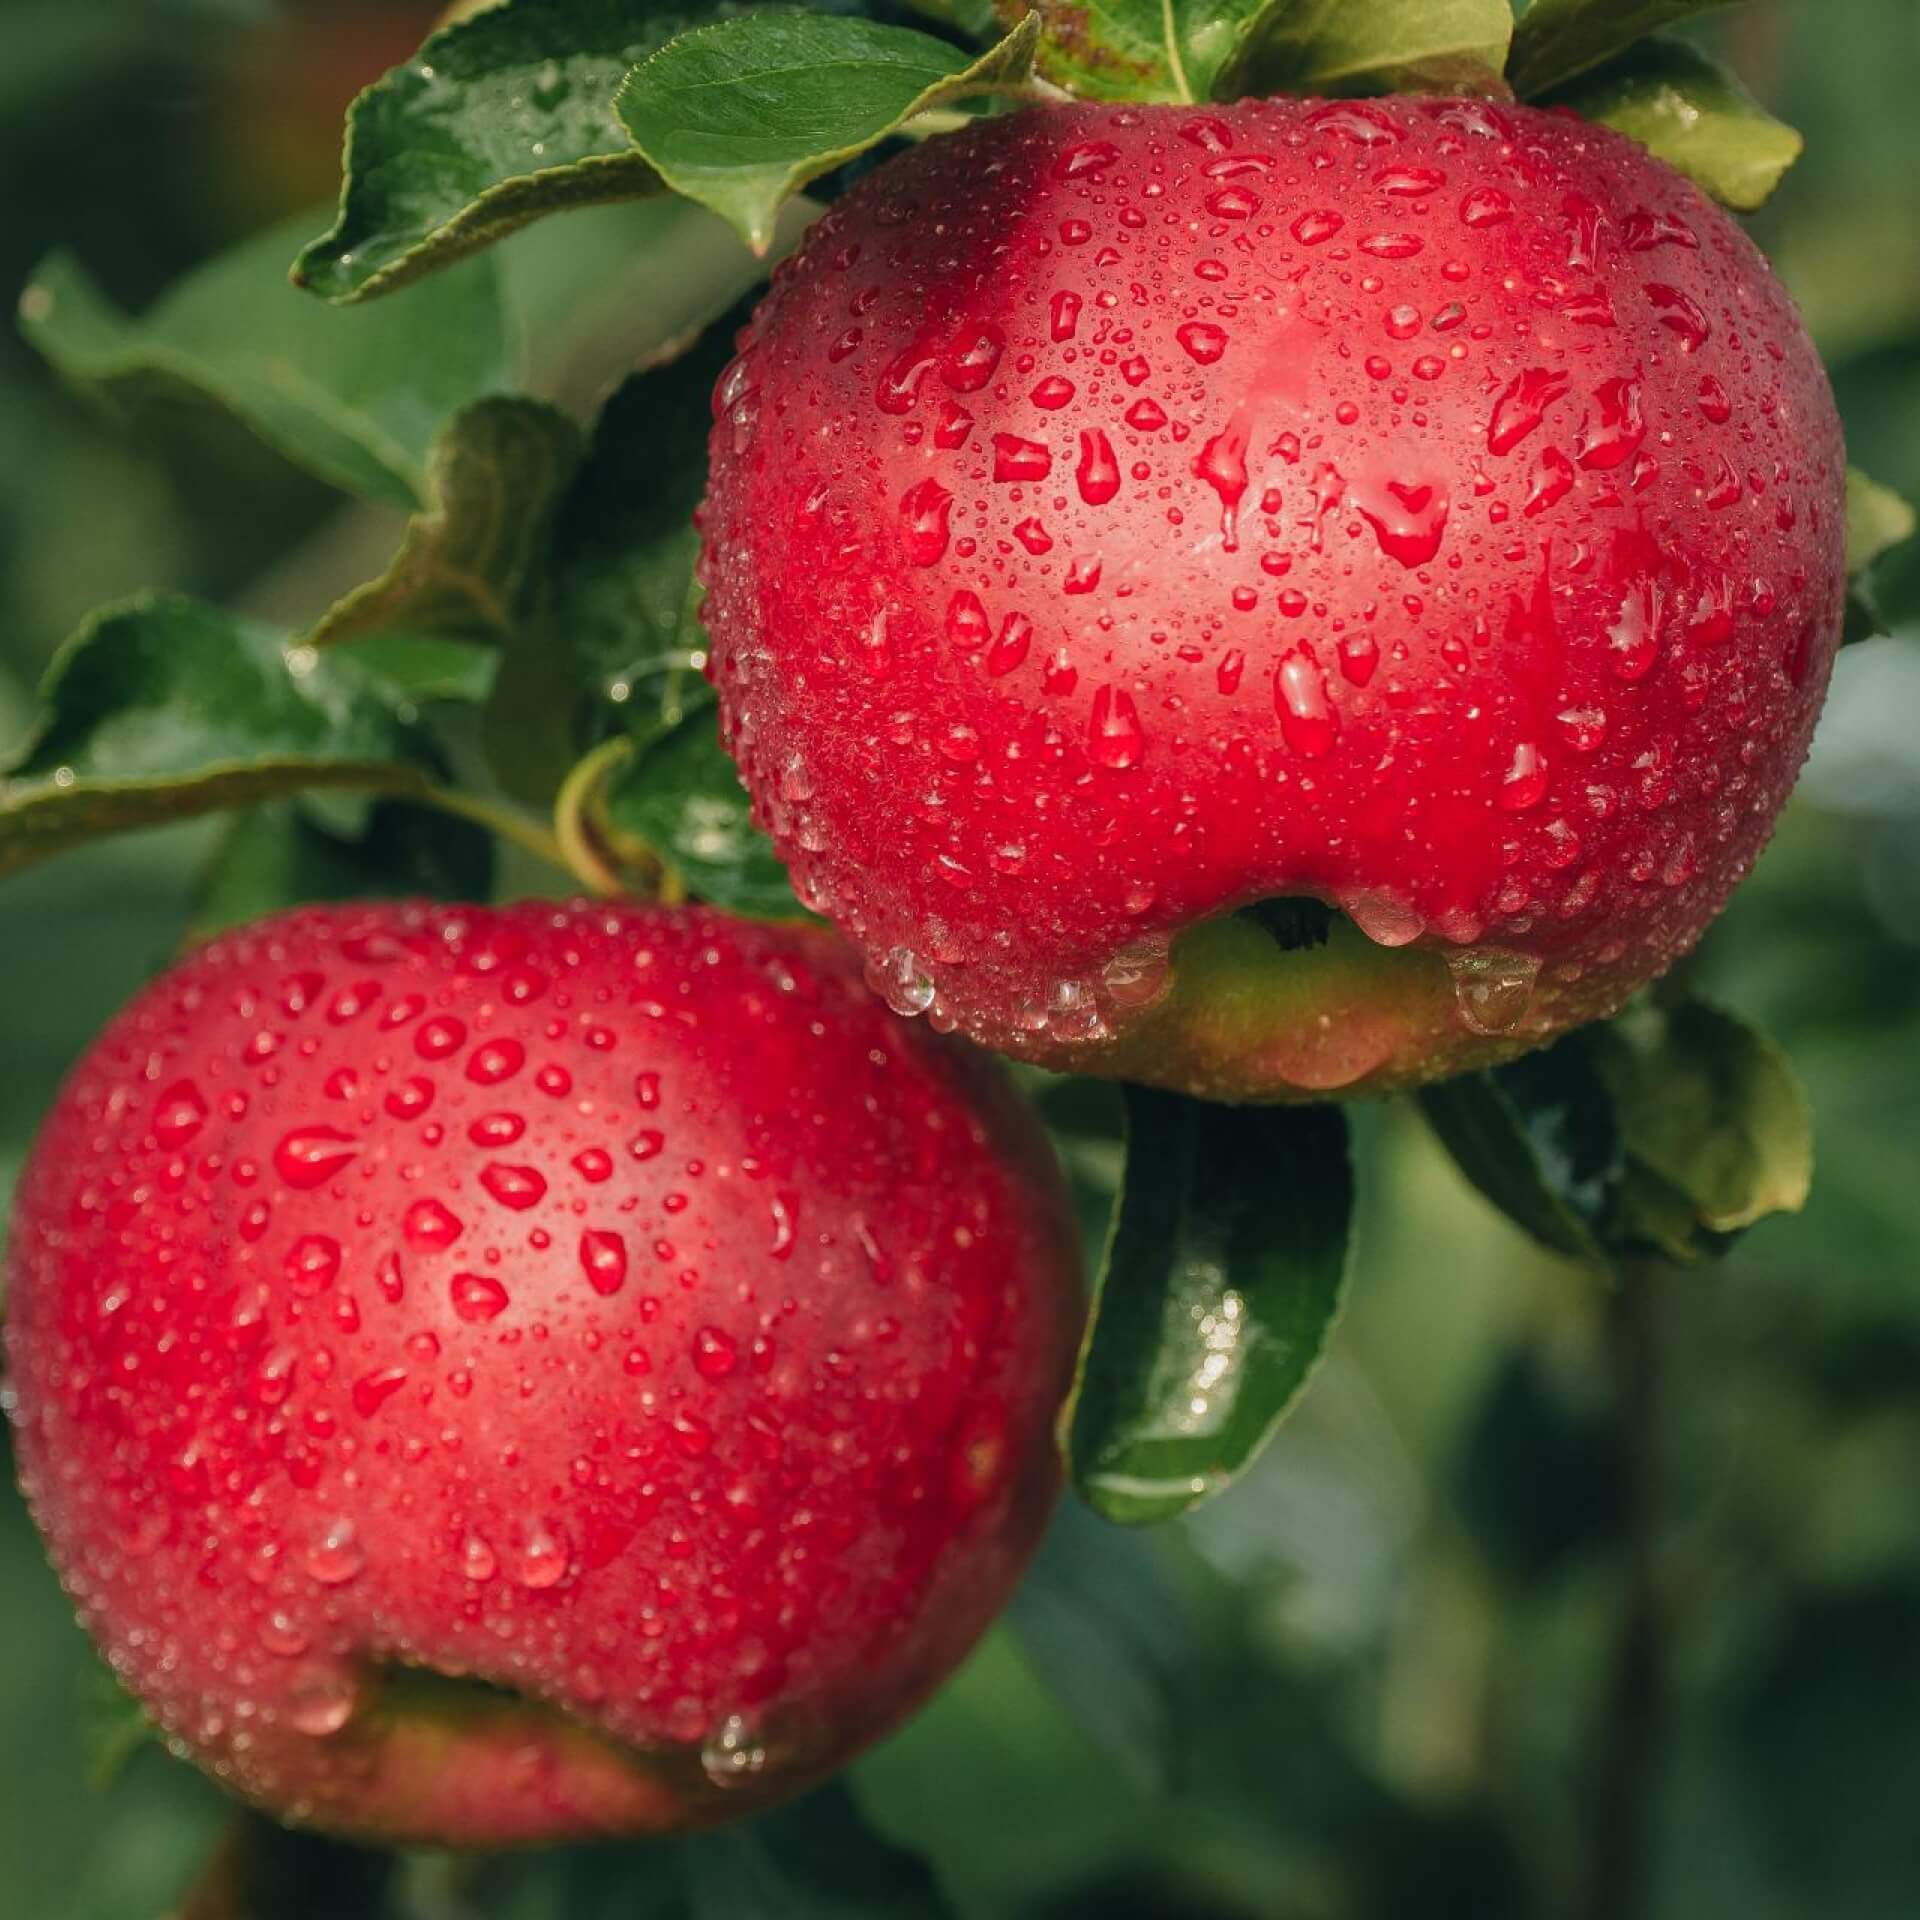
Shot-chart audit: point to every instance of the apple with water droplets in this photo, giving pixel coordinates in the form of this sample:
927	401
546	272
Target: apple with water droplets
503	1376
1278	600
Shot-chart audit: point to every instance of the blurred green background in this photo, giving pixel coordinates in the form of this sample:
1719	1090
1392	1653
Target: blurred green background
1379	1677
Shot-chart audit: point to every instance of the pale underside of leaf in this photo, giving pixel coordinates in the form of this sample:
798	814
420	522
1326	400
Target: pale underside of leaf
1558	40
1332	46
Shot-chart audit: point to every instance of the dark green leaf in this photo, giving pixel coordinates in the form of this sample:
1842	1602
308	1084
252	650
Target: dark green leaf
163	708
624	545
1710	1108
1222	1281
473	554
683	799
276	856
1689	111
499	120
531	724
1878	520
815	1860
1219	49
1558	40
355	399
1101	1624
112	1723
742	113
423	667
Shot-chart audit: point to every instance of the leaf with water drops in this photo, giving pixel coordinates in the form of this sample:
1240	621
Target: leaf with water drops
161	708
499	120
1715	1125
624	545
1537	1138
1558	40
473	554
1691	112
742	113
682	799
1878	521
355	399
1222	1279
1334	47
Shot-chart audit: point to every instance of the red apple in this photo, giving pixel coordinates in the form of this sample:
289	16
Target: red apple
497	1376
1424	514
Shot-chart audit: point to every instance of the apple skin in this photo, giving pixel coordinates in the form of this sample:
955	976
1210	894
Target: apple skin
1122	516
618	1307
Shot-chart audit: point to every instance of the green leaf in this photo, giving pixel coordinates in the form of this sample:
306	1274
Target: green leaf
1333	46
475	551
276	856
816	1860
682	798
1691	112
113	1725
1100	1624
1192	50
1558	40
355	399
1878	520
1710	1108
1539	1140
1221	1283
420	667
742	113
499	120
160	709
624	545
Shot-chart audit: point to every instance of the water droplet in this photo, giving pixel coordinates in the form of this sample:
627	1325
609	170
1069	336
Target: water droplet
715	1353
1098	473
336	1556
515	1187
1644	229
1634	638
1233	664
494	1061
1402	322
603	1258
282	1636
373	1390
785	1207
1082	576
1492	988
478	1561
1065	312
1359	658
321	1702
1010	647
1115	738
1485	207
1233	203
902	982
1320	224
1392	246
1203	341
179	1114
1307	721
969	363
542	1560
1408	518
1222	465
310	1156
477	1297
594	1164
496	1129
1352	120
1522	406
1015	458
1714	402
1552	482
1052	393
1144	416
732	1756
1682	315
1086	160
1386	919
1606	442
440	1037
1524	784
313	1264
430	1223
923	513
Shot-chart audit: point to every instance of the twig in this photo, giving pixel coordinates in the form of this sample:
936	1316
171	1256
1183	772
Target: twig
264	1871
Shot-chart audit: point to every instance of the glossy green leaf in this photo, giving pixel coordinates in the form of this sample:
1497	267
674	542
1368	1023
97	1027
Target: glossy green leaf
478	548
1558	40
1190	50
425	666
1709	1106
742	113
624	545
1101	1625
276	856
353	398
1332	46
682	798
1538	1138
499	120
1691	112
1221	1284
161	708
1878	520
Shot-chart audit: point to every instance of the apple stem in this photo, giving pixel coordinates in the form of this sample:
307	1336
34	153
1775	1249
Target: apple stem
262	1869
